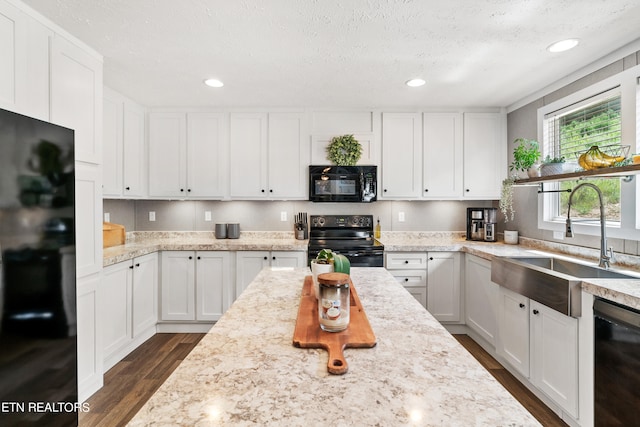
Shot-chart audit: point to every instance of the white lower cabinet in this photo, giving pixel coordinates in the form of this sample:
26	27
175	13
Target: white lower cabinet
195	285
443	286
542	345
129	306
410	270
554	355
481	298
250	263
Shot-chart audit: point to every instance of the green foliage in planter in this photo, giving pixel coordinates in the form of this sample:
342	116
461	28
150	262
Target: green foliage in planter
525	155
550	160
344	150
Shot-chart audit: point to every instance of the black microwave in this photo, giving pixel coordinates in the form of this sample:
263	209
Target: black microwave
342	183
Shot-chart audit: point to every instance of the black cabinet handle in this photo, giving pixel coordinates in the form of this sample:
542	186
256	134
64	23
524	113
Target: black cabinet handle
273	258
406	279
521	305
262	190
426	190
430	258
190	257
127	188
406	261
270	191
182	190
467	190
535	312
188	190
198	257
265	258
138	264
385	190
131	266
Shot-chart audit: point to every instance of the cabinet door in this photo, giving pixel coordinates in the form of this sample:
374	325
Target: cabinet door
178	285
442	156
144	293
88	221
248	156
401	156
288	259
90	353
248	265
415	281
14	48
481	298
288	156
167	150
512	341
111	144
554	355
207	163
213	284
115	306
76	97
484	155
443	286
133	162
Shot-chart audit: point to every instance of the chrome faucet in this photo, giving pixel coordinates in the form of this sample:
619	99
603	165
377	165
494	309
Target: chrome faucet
606	255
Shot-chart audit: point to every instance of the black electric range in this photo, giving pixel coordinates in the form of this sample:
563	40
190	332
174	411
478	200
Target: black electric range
349	235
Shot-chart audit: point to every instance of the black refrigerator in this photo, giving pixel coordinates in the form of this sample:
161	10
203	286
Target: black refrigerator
38	346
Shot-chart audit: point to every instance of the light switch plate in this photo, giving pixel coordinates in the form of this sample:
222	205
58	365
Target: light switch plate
559	235
107	217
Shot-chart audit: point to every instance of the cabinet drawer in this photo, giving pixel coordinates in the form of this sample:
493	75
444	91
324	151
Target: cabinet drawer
405	260
410	277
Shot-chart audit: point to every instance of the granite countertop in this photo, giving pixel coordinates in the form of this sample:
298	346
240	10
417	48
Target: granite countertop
246	371
142	243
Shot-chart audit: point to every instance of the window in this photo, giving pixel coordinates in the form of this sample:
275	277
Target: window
606	114
570	131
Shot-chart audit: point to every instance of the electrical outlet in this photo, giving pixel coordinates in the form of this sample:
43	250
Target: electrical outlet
207	215
283	215
400	216
107	217
152	216
559	235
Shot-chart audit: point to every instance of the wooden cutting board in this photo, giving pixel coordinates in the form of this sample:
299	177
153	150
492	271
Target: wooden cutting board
309	335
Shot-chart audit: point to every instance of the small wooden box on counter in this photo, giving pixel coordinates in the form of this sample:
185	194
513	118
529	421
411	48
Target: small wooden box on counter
112	234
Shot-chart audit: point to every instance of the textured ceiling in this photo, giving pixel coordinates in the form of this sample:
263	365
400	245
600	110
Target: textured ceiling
341	53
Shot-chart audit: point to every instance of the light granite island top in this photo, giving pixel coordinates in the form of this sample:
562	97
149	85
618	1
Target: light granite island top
246	371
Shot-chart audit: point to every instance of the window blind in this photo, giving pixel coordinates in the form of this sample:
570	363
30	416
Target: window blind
594	121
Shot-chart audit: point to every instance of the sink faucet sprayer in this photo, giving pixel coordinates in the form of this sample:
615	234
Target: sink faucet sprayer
606	255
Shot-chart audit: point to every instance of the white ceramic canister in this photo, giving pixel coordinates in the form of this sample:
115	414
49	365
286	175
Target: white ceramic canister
511	237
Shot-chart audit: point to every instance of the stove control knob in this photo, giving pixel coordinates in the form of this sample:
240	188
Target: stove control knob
354	220
321	221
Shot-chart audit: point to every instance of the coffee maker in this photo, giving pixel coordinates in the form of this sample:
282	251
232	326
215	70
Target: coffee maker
481	224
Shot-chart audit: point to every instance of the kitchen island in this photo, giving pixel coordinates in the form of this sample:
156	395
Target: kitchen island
246	371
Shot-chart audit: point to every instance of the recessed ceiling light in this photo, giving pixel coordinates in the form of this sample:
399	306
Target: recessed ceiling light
563	45
415	82
213	83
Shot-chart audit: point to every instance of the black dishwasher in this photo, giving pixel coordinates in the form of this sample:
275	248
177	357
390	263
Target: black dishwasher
617	364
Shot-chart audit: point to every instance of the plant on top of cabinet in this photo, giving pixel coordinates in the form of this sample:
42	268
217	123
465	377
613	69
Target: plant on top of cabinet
525	156
344	150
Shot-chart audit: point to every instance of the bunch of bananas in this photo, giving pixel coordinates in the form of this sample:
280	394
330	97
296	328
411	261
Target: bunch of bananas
593	158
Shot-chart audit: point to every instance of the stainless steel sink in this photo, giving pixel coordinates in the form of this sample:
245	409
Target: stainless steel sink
552	281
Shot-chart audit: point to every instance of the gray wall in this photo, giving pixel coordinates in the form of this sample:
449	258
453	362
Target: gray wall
265	215
522	123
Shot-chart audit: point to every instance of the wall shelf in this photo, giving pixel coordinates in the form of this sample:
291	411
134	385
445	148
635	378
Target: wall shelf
573	176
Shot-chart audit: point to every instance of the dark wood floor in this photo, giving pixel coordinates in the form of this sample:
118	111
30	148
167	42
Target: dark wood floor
130	383
539	410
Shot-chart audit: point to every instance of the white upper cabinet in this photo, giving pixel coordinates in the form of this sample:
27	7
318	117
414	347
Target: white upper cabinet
485	155
187	155
268	156
76	97
401	155
123	153
442	159
13	48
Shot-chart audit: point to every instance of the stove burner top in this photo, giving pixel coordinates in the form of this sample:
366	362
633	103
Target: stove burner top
350	235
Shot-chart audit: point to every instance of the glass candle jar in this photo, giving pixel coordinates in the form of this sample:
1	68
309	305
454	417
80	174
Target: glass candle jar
334	301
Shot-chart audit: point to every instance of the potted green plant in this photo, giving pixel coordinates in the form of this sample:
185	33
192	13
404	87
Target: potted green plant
328	261
525	157
552	166
506	207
